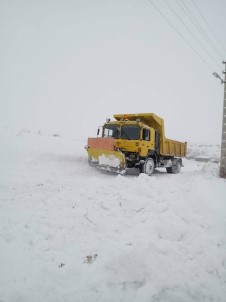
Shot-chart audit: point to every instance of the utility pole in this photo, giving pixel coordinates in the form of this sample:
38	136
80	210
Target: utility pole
223	139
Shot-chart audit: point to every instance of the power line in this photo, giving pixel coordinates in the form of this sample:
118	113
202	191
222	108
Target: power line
197	40
208	25
189	14
182	37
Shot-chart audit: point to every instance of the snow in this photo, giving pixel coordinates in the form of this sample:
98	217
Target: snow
111	161
204	152
71	233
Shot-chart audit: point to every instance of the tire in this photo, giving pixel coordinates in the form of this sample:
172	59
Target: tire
176	167
169	170
149	166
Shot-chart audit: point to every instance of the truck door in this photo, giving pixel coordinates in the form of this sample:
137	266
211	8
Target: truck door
147	141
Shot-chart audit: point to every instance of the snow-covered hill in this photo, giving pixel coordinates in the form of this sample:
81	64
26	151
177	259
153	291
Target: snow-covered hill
71	233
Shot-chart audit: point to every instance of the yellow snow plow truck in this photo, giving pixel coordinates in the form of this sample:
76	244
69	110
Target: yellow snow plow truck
135	141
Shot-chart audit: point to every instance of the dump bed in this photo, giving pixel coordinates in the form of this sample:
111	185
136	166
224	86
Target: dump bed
173	148
168	147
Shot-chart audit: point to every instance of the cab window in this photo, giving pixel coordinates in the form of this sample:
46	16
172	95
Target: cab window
111	131
146	134
130	132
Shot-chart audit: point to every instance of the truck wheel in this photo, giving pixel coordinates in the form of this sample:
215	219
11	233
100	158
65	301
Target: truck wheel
149	166
175	169
169	170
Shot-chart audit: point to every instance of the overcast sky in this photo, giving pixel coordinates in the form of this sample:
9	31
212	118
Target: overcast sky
65	66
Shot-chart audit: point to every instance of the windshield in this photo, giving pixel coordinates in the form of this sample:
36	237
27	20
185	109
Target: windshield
130	132
111	131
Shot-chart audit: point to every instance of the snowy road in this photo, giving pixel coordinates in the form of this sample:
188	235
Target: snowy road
71	233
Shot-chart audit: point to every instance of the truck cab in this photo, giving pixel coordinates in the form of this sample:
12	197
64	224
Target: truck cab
132	136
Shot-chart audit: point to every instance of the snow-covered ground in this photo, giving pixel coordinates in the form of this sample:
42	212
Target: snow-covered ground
71	233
